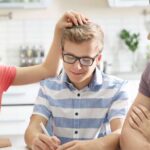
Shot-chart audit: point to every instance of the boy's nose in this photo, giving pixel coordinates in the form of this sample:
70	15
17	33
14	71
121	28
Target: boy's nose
77	65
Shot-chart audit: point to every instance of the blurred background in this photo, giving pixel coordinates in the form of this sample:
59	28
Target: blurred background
26	30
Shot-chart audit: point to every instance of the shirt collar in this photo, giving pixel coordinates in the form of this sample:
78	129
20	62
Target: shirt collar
96	80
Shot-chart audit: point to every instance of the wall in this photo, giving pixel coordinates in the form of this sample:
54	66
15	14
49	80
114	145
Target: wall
35	27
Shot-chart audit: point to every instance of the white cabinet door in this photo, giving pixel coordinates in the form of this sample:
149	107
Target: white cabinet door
24	3
14	119
25	94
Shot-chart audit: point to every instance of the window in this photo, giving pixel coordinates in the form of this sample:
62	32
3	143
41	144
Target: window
24	3
128	3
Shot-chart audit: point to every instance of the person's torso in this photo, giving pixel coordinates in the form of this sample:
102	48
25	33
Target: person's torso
79	114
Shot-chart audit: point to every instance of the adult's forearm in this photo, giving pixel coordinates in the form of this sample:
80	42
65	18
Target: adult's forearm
49	68
131	139
53	60
25	75
109	142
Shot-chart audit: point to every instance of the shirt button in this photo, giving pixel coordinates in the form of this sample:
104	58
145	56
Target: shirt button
76	132
78	94
76	113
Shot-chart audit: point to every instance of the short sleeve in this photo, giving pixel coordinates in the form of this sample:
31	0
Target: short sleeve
42	106
7	75
119	106
144	87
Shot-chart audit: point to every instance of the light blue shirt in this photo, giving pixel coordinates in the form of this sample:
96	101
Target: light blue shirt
81	114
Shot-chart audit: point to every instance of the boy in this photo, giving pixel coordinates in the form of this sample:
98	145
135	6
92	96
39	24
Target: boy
81	100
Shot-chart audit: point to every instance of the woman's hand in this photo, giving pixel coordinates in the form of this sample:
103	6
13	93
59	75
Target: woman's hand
140	120
71	18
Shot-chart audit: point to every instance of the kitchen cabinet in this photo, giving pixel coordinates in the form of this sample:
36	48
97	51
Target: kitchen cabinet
17	142
17	106
14	119
24	3
21	95
132	85
128	3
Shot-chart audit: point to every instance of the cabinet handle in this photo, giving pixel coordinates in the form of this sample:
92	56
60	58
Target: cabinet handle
14	94
12	120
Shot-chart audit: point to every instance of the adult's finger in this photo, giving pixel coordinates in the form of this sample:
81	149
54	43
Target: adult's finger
145	111
132	123
139	113
135	118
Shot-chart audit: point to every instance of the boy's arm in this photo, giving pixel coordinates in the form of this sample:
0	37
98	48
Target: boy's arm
130	138
109	142
140	120
36	139
52	65
33	129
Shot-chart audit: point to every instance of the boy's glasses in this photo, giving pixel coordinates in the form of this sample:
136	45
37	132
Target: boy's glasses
84	61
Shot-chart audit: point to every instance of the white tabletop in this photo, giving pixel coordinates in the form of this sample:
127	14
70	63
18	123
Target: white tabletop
17	142
15	148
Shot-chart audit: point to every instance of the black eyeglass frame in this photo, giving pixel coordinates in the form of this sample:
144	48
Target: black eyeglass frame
79	58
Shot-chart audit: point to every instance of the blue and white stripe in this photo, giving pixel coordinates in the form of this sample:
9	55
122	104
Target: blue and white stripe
104	99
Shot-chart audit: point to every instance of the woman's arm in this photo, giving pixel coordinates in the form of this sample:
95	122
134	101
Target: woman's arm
140	120
52	65
130	138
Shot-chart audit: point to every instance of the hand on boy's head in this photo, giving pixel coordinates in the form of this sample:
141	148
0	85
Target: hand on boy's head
76	18
71	18
140	120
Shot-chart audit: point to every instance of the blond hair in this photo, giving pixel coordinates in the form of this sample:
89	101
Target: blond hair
82	33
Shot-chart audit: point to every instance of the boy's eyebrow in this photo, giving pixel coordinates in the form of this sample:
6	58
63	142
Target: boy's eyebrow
68	53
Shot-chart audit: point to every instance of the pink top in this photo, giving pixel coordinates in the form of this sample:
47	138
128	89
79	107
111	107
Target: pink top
144	87
7	75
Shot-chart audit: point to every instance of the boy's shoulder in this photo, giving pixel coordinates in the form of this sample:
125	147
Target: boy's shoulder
109	77
51	81
113	80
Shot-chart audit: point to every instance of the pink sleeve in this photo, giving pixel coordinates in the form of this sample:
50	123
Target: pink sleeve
144	87
7	75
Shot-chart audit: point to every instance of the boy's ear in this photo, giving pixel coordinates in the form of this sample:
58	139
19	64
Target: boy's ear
99	57
61	53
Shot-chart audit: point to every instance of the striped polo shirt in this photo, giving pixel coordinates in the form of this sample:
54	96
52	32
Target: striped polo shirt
81	114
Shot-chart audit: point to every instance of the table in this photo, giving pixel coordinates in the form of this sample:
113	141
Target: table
17	142
16	148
